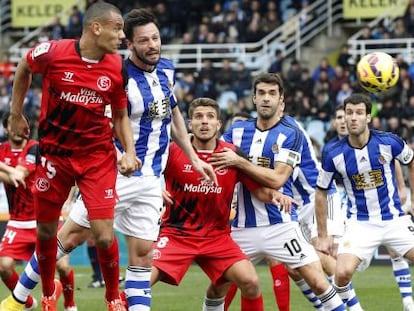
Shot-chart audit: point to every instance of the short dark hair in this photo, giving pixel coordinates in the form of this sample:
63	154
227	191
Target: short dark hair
358	98
138	17
339	107
269	78
203	102
98	12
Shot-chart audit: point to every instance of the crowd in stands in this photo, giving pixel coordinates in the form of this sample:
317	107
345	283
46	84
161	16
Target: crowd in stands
311	93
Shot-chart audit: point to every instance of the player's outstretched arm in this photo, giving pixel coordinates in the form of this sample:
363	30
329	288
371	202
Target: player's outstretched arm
323	243
402	189
22	81
411	181
273	178
123	131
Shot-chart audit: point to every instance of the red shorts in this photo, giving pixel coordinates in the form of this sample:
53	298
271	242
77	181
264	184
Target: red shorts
174	254
18	243
95	175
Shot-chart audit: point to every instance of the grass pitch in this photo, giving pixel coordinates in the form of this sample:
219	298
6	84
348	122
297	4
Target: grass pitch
376	289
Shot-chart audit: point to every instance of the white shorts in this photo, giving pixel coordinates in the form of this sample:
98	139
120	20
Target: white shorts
283	242
362	238
336	225
138	211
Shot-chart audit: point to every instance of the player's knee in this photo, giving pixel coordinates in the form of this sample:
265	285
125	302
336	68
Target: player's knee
5	268
62	267
46	231
318	283
249	286
104	241
343	277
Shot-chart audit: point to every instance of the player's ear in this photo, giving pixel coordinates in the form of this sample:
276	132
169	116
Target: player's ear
190	125
219	125
129	44
96	28
369	117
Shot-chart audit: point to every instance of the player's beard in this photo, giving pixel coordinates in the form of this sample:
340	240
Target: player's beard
206	140
17	140
142	58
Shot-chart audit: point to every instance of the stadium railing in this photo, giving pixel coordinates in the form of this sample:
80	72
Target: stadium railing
320	17
5	18
289	37
359	47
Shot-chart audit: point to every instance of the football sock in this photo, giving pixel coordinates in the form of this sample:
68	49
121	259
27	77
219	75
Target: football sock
30	276
353	302
230	296
68	284
281	287
331	300
309	294
28	280
93	259
109	261
46	254
137	288
402	276
11	280
252	304
213	304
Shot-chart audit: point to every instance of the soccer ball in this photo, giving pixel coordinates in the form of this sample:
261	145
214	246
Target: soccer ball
377	72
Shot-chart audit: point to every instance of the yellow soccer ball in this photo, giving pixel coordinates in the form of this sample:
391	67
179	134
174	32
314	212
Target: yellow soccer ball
377	72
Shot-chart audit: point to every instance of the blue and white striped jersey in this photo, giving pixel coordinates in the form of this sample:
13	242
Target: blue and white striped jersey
281	143
150	103
368	175
306	174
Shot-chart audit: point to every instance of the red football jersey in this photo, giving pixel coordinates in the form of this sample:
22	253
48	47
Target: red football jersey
75	93
199	208
21	206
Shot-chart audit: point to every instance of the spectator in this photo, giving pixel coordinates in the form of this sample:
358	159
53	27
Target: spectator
376	124
187	39
74	29
322	83
277	64
6	66
343	93
366	33
322	107
409	19
344	57
202	33
341	77
294	75
75	12
207	70
206	88
225	76
408	113
56	29
167	29
395	126
254	32
4	100
243	80
306	84
270	22
400	32
233	27
217	19
326	66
